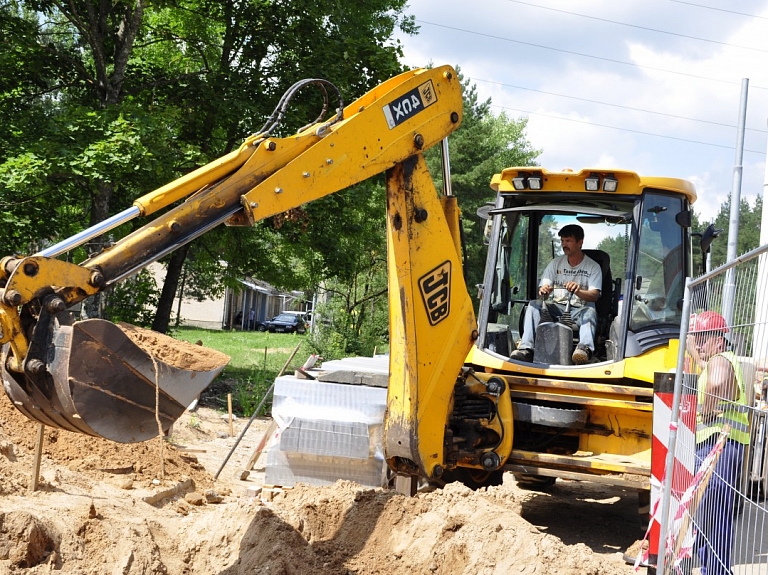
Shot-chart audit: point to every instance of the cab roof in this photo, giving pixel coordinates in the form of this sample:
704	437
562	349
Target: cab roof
523	179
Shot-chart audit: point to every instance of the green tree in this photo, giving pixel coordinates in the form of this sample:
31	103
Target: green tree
111	100
616	248
749	229
354	317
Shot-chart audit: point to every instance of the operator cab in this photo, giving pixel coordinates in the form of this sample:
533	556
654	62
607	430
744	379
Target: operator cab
636	232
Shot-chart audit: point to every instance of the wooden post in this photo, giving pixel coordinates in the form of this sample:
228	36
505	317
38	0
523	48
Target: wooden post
38	457
229	408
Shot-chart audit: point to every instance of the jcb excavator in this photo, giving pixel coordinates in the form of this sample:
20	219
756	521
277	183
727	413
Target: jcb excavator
458	407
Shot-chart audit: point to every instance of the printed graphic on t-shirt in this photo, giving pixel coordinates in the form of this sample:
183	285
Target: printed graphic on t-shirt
566	275
585	274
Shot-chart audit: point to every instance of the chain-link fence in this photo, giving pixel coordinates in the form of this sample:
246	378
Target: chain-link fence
712	503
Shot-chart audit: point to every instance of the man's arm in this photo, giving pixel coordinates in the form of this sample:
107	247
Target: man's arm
721	384
547	283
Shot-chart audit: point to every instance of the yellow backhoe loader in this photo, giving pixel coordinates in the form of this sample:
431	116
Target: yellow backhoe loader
458	407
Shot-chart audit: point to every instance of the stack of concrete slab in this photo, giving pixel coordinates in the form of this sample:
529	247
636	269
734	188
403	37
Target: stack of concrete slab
330	427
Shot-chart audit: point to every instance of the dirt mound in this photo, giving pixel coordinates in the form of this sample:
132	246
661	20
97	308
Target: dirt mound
92	457
346	529
175	352
92	515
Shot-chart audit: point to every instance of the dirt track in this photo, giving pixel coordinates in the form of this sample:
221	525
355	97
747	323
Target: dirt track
91	515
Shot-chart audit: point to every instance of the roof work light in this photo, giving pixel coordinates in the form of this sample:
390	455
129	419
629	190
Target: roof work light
535	181
592	183
610	183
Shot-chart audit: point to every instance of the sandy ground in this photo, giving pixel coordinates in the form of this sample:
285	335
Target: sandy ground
107	508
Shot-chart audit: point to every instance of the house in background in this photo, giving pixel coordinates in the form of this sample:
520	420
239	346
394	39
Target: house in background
220	313
262	298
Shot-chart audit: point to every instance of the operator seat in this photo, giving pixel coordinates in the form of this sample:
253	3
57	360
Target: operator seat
604	304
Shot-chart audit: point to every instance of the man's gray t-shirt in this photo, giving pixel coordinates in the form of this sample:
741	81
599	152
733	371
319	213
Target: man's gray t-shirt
587	274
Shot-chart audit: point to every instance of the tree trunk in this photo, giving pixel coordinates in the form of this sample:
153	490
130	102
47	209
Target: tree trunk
111	51
93	306
165	304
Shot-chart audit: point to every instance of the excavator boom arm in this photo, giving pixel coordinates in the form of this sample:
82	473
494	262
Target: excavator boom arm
431	318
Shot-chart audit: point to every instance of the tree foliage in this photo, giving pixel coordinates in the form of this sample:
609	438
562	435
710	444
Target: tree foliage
102	102
749	229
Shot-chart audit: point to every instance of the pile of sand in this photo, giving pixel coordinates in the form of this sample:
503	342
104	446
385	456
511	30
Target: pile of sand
82	521
346	529
90	515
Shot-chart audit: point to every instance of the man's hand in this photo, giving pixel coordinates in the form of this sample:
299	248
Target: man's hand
545	290
572	287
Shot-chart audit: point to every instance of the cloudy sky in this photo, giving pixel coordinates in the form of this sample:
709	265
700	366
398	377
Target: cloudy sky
652	86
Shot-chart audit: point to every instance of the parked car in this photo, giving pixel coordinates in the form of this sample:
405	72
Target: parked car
286	323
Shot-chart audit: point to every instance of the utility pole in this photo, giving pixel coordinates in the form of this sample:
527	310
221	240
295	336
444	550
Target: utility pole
729	288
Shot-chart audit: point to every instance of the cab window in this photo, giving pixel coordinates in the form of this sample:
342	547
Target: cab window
660	279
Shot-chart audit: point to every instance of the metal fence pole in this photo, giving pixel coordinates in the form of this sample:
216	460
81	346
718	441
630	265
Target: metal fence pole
729	288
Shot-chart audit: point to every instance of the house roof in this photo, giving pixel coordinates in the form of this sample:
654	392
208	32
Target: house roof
258	288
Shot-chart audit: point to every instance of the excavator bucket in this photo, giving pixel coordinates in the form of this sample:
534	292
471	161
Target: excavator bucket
121	383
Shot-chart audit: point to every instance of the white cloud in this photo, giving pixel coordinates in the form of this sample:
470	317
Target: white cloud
495	43
710	196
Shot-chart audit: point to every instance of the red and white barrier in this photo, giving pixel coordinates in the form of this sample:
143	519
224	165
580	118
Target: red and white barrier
684	468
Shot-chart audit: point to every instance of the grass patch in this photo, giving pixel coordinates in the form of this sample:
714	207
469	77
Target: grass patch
257	358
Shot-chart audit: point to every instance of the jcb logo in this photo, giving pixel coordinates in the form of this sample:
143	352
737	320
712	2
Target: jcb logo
435	289
409	104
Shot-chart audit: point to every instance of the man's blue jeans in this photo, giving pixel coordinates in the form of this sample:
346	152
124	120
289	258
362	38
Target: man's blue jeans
585	317
715	514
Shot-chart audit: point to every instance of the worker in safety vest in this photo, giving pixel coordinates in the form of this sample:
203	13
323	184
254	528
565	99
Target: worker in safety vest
721	400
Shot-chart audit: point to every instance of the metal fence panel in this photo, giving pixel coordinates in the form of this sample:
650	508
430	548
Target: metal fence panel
713	503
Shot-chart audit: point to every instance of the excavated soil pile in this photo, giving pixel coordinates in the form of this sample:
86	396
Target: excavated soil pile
175	352
104	507
94	457
346	529
85	520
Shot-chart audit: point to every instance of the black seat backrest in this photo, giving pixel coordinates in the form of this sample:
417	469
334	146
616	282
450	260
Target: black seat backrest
603	304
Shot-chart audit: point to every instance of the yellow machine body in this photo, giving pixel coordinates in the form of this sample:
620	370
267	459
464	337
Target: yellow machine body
456	401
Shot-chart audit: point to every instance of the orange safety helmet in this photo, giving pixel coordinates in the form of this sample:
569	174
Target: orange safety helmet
708	321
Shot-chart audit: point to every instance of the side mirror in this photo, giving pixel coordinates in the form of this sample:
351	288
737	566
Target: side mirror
484	213
683	218
708	237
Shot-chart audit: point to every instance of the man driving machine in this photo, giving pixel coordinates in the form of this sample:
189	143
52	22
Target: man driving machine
573	277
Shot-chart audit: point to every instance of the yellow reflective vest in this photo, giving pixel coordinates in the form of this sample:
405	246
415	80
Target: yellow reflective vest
732	412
